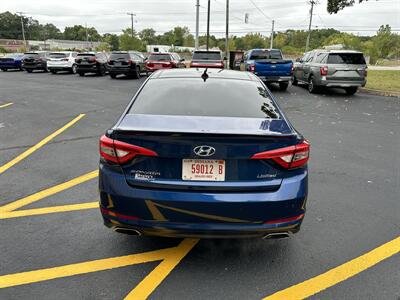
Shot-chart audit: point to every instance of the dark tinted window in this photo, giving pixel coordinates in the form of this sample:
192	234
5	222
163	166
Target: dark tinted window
31	54
85	54
118	55
206	55
215	97
58	55
346	58
164	57
266	54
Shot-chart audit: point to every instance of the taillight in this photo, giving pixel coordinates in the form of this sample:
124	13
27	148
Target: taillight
119	152
77	60
365	72
285	220
166	64
323	71
252	68
129	62
292	70
288	157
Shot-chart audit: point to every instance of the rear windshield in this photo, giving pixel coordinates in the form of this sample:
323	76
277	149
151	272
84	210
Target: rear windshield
266	54
86	54
31	54
214	98
119	55
13	55
207	56
346	58
165	57
58	55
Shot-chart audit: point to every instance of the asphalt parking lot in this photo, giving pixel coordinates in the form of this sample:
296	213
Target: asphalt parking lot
54	245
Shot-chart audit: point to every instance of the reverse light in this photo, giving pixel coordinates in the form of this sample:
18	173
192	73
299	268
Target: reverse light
119	152
323	71
117	215
287	157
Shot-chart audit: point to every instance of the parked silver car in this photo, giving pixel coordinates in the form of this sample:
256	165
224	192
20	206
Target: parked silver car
331	68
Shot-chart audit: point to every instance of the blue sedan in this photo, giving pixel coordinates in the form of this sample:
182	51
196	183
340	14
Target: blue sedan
203	153
11	61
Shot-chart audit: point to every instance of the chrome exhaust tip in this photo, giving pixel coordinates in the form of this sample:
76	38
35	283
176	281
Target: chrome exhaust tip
127	231
276	235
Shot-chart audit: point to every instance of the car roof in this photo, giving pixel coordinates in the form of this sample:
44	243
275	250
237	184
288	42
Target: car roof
198	72
207	51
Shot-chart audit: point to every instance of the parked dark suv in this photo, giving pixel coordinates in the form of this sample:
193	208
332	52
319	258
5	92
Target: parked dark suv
125	62
331	68
35	61
91	62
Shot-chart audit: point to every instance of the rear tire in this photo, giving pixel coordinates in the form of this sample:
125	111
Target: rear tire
53	71
136	75
283	86
311	85
102	71
4	70
351	90
295	82
73	69
81	74
29	70
113	76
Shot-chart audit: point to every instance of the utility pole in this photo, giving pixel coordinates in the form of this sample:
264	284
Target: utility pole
22	26
312	2
131	14
208	24
271	45
227	35
87	37
196	42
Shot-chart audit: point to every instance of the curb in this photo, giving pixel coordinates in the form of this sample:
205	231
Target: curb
380	93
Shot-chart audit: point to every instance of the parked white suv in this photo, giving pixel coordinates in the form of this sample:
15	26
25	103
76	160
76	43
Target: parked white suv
62	61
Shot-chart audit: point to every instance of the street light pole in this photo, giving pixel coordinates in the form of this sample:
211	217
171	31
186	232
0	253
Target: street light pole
227	35
208	24
196	42
131	14
272	35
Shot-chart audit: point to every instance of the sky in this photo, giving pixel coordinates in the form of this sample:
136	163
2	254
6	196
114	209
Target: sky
111	15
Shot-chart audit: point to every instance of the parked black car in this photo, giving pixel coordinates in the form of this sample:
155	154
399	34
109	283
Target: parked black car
91	62
125	62
35	61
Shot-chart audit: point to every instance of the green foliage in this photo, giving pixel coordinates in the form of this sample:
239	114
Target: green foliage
127	42
148	35
78	33
103	47
335	5
112	40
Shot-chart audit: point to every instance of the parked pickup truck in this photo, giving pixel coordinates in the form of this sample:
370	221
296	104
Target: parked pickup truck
269	65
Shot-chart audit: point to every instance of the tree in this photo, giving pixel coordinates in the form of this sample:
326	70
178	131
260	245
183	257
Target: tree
51	31
112	40
335	5
127	42
78	33
148	35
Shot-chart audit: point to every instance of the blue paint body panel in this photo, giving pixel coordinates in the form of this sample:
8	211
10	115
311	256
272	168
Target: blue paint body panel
255	198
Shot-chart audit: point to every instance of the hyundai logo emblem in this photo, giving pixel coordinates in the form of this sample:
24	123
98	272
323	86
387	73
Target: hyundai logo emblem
204	150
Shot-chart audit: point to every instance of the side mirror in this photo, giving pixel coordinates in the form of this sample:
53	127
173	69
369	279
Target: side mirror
182	59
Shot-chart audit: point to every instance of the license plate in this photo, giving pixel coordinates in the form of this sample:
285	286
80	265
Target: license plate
118	63
203	170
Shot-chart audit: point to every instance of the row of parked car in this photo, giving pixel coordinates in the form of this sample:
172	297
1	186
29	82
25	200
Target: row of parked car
130	63
317	69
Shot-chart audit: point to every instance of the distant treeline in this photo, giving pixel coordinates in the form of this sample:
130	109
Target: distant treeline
384	44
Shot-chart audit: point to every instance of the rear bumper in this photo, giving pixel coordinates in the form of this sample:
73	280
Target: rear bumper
275	78
121	70
59	66
87	69
10	66
341	83
34	66
195	214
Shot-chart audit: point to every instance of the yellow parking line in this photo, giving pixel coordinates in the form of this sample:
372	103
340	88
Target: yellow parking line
172	255
153	280
39	145
48	192
5	105
48	210
336	275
